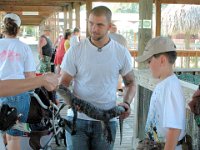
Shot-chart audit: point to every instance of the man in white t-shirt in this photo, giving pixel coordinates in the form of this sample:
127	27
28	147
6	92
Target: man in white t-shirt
166	116
94	65
75	38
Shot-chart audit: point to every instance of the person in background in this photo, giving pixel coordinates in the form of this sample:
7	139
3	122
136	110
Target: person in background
67	40
121	40
1	35
13	87
166	117
75	38
55	46
45	50
57	42
16	62
116	36
94	66
62	48
194	103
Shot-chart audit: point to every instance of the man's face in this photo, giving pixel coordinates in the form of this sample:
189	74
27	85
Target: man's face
98	27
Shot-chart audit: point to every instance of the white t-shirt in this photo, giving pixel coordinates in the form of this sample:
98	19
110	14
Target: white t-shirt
96	73
15	58
167	109
119	38
74	40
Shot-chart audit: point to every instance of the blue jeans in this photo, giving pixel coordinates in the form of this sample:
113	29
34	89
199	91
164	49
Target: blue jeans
90	136
22	103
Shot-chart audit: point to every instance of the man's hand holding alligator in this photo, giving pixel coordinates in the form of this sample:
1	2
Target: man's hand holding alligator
127	112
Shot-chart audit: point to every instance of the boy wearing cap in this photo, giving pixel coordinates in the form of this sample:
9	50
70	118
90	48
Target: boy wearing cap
166	117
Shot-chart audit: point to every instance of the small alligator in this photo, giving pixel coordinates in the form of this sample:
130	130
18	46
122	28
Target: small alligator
91	111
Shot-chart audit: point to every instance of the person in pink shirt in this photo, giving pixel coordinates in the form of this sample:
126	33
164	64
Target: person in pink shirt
62	48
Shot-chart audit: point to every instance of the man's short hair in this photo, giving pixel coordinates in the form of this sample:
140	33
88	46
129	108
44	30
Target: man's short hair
76	30
102	10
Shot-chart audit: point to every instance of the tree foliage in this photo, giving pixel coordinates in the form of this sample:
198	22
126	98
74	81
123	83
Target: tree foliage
126	8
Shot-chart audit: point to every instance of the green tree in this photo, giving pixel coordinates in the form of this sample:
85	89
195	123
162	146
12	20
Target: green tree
30	30
127	8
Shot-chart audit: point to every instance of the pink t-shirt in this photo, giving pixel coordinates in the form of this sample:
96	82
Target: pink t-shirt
16	58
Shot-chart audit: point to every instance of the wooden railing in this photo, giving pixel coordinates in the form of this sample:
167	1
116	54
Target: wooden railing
186	58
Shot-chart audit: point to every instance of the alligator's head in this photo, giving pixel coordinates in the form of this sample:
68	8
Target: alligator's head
65	94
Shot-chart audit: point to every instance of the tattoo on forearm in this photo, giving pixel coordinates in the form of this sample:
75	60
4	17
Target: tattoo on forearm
129	79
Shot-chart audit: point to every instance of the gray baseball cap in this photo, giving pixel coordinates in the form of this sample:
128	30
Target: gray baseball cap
13	16
156	45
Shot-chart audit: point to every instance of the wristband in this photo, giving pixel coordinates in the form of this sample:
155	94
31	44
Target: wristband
128	104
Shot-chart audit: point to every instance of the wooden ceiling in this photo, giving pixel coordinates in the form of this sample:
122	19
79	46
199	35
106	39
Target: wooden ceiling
47	7
44	7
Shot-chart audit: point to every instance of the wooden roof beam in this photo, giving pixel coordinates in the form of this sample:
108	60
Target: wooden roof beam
38	2
41	13
197	2
29	8
31	21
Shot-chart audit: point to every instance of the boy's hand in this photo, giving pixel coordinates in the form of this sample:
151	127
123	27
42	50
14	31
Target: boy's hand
195	103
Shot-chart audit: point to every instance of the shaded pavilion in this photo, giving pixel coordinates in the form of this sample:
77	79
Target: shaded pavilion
48	14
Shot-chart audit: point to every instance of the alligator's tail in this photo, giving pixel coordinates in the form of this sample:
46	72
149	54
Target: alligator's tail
121	129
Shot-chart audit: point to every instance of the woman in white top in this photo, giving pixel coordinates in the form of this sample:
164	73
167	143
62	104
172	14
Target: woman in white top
16	62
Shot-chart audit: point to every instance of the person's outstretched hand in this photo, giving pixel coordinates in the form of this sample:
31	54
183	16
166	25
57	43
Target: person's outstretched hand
50	81
195	103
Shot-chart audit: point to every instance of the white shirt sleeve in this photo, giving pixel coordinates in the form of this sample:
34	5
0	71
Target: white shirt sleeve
127	64
68	63
174	110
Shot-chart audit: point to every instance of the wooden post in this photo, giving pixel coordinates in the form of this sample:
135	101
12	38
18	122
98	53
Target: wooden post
143	95
1	20
158	17
77	12
88	9
145	26
52	24
70	15
57	25
134	40
54	21
65	19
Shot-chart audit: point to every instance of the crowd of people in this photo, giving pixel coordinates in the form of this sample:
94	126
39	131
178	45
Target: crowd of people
94	64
